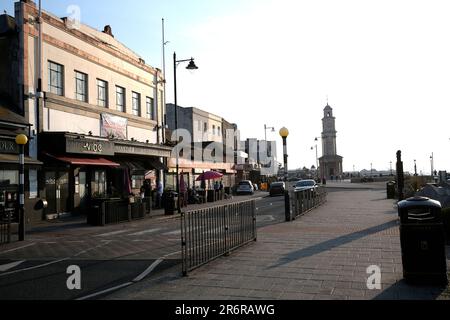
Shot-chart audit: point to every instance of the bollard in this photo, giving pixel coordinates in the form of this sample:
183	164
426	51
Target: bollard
287	206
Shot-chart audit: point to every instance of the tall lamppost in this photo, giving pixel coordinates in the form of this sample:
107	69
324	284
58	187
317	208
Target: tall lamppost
390	166
415	168
284	133
265	131
191	66
21	140
432	165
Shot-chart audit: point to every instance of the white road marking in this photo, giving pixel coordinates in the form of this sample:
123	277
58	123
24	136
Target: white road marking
148	270
15	249
112	233
105	291
172	233
35	267
265	218
137	279
148	231
54	262
11	265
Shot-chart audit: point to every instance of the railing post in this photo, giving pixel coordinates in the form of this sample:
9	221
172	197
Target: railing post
102	208
255	233
183	244
9	228
295	197
225	224
287	206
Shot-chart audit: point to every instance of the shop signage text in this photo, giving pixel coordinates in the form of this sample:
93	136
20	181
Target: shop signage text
8	146
105	148
127	149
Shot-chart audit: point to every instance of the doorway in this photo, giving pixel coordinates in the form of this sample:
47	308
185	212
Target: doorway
57	192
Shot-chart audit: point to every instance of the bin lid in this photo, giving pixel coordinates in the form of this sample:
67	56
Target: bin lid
419	202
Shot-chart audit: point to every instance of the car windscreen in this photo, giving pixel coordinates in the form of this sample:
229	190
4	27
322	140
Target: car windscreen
305	184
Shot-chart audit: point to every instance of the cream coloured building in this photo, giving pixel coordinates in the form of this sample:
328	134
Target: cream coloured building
100	115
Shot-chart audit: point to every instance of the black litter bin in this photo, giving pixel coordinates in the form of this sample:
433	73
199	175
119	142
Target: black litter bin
390	190
169	200
422	240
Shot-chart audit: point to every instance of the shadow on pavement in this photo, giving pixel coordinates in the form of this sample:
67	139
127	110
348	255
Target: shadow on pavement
406	291
333	243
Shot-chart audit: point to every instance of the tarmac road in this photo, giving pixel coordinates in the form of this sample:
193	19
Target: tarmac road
109	258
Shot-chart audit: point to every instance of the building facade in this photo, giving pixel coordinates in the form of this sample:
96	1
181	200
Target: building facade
95	109
212	147
330	162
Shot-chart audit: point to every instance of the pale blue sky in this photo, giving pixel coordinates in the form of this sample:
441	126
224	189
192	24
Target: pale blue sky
384	64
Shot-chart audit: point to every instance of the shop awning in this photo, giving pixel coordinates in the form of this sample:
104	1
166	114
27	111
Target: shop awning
14	159
86	161
158	165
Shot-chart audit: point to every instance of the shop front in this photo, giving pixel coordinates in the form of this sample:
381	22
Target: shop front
11	125
82	170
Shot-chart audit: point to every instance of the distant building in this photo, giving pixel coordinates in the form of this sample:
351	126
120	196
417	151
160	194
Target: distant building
330	162
208	134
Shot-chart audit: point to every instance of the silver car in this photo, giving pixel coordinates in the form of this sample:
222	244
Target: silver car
245	187
305	185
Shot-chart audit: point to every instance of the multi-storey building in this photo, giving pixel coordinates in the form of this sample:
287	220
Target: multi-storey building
95	108
214	143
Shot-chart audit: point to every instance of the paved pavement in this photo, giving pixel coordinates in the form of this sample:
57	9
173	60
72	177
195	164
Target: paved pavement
108	256
322	255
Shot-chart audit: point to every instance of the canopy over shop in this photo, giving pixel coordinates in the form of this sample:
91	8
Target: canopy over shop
80	168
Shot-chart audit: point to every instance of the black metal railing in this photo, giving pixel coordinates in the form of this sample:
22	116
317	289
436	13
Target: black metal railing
5	226
213	232
306	200
5	232
117	211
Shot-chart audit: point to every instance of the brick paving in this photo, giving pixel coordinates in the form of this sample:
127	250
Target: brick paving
322	255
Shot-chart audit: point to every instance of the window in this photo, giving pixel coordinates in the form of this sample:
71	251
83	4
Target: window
149	103
205	127
55	78
120	99
214	130
102	93
219	133
99	183
136	103
81	86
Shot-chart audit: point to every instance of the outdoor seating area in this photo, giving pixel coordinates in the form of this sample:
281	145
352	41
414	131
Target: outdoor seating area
113	211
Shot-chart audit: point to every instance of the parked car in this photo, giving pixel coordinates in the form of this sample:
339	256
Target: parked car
277	188
245	187
305	185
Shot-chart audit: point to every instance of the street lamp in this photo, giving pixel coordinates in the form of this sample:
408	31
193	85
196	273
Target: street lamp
265	131
415	168
191	66
390	166
432	164
284	133
21	140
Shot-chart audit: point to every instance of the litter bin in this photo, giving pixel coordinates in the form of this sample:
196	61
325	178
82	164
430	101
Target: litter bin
170	201
422	240
390	190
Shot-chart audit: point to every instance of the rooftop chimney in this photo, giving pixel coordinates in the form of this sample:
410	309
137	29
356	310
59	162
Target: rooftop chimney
108	30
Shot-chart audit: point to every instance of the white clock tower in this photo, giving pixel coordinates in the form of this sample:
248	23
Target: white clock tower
330	162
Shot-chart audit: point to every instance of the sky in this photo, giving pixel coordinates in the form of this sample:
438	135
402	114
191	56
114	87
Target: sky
383	66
